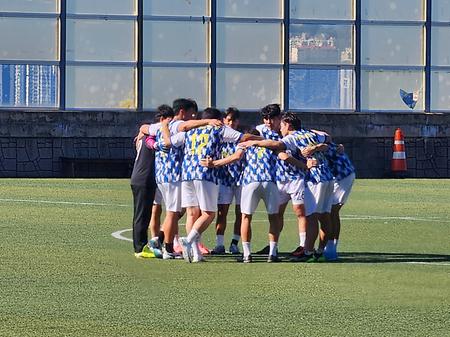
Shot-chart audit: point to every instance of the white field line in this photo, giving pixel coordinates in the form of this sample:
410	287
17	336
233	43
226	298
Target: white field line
343	217
63	202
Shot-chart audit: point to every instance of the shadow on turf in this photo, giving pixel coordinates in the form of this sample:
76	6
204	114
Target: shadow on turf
355	257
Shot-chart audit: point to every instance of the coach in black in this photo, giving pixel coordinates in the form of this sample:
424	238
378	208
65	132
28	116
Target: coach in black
143	185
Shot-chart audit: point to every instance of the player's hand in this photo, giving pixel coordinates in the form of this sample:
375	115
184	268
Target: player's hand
139	136
207	162
283	156
312	162
215	122
340	149
307	151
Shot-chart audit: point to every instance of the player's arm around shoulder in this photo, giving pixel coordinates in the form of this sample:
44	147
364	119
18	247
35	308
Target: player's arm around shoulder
236	156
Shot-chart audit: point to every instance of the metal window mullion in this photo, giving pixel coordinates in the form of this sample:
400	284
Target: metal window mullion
250	65
101	17
428	56
358	56
175	18
392	23
140	56
175	64
388	67
321	66
29	15
248	20
321	22
62	55
127	64
213	53
286	24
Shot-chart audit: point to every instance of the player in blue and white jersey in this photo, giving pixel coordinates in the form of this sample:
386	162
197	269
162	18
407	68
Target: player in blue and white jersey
229	189
344	175
168	167
319	184
200	184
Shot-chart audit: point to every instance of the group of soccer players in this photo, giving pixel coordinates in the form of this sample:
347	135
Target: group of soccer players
203	163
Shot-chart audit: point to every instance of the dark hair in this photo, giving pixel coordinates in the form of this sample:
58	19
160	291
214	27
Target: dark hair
271	111
292	119
254	132
164	111
232	112
183	103
211	113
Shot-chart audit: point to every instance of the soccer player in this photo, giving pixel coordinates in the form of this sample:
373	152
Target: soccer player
229	188
200	184
168	168
318	188
344	175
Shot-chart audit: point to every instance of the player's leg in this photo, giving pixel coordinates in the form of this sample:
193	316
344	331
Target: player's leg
271	197
190	203
207	193
224	201
249	202
142	200
234	249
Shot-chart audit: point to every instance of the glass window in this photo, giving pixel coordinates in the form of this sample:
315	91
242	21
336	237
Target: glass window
392	45
28	85
121	7
163	85
100	87
398	10
27	6
440	52
441	10
100	40
380	90
322	9
312	44
321	89
176	7
248	88
170	41
249	8
28	38
440	90
249	42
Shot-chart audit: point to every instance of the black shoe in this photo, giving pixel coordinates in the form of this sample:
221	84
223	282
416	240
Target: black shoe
273	259
303	258
245	259
264	251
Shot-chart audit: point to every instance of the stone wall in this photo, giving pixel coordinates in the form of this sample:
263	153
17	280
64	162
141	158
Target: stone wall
91	144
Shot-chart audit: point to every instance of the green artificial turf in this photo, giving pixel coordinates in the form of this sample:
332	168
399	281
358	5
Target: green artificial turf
63	274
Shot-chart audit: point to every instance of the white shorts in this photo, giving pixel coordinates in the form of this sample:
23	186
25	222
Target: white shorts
171	193
158	197
342	189
226	194
318	197
200	193
292	190
254	192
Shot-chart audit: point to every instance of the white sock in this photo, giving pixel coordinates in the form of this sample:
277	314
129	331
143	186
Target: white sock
196	250
193	236
155	238
236	237
302	236
246	248
175	241
273	248
219	240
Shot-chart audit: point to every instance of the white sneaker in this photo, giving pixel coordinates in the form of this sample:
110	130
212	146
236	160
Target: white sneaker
198	258
234	249
186	247
167	256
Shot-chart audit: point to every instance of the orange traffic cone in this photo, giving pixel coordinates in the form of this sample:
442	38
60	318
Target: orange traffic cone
398	164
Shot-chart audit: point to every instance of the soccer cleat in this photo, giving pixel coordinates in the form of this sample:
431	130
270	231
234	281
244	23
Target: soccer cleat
318	257
234	249
187	249
203	249
146	253
218	250
197	259
245	259
264	251
155	247
330	255
168	256
273	259
298	251
303	258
